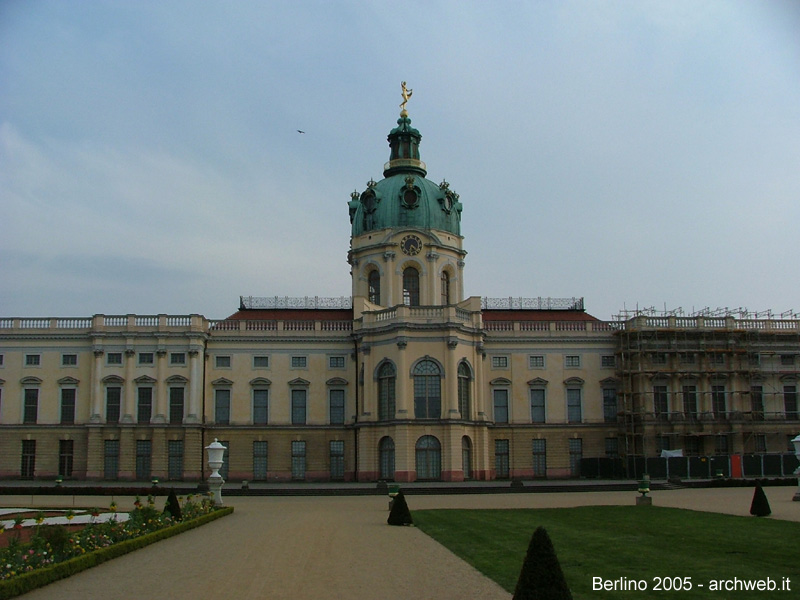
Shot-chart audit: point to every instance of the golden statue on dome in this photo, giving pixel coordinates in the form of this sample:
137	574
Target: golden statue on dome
406	93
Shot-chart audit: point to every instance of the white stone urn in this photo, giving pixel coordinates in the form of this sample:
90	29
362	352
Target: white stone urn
216	452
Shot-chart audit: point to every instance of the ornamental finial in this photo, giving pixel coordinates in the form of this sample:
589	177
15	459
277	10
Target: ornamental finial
406	93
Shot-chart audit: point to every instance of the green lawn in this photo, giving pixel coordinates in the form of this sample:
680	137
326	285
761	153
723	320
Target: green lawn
632	542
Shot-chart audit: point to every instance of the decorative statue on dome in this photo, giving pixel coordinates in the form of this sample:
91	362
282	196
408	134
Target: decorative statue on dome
406	93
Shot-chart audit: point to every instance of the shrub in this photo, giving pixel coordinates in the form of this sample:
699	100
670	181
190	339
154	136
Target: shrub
173	507
541	576
399	515
760	505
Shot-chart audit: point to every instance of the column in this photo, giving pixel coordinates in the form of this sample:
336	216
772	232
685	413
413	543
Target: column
161	388
401	389
129	400
368	404
97	387
451	382
195	386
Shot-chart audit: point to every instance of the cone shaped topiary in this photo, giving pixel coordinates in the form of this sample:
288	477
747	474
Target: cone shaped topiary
541	576
399	515
173	507
760	505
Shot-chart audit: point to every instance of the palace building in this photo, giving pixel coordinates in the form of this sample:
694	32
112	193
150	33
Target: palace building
404	380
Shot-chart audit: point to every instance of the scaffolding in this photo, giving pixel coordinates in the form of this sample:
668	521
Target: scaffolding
728	373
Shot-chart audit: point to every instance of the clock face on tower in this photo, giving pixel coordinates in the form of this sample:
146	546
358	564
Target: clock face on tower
411	245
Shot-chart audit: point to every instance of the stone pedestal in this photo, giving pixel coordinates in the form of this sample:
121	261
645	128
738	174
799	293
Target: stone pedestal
644	501
215	487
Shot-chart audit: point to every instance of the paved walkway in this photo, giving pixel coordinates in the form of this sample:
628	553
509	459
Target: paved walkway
335	547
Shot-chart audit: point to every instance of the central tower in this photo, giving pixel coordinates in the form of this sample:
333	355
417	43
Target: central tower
406	244
417	338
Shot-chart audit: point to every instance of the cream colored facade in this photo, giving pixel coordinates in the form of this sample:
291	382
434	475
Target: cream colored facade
404	380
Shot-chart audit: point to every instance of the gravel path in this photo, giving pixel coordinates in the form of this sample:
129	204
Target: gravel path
338	547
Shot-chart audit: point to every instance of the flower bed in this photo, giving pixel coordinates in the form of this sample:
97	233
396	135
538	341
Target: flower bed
52	552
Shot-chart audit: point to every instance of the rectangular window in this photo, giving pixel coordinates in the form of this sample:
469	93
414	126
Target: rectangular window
114	358
610	405
260	464
68	396
298	407
608	361
298	460
261	362
537	405
299	362
144	454
754	360
175	460
177	358
337	407
176	405
337	459
692	445
500	406
575	456
716	359
222	362
787	360
760	441
66	457
113	397
69	360
757	402
719	402
144	406
33	360
687	358
499	362
222	407
690	401
790	402
260	407
536	361
612	447
540	458
28	466
146	358
574	408
502	460
1	360
572	361
110	459
31	412
663	443
336	362
721	445
660	358
660	402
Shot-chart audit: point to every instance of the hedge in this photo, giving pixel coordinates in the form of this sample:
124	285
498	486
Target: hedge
26	582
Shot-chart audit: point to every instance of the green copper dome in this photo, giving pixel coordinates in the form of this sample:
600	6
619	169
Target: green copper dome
404	197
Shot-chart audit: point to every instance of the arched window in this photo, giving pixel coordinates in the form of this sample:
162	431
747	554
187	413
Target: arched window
429	458
466	457
374	282
427	390
445	288
464	377
386	398
411	287
386	458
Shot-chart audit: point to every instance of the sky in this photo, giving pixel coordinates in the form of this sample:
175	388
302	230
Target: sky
634	153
